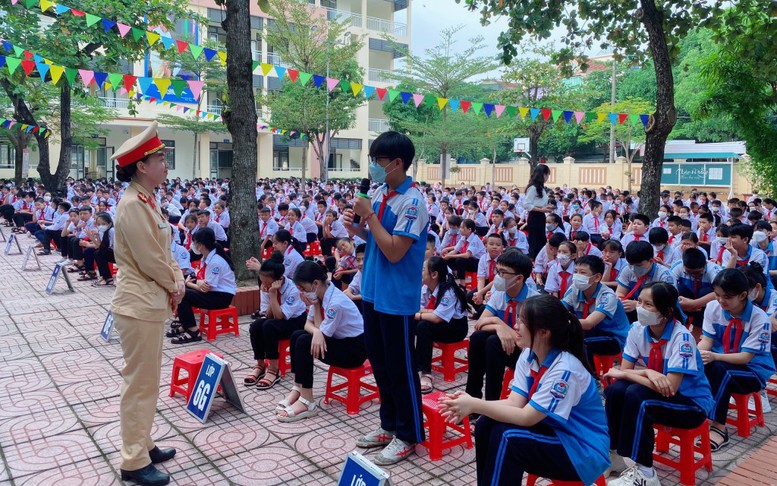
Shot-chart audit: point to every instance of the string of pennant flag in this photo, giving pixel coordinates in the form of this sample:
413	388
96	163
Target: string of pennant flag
14	125
296	76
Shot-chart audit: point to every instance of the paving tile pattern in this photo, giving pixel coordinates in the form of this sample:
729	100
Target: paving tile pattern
59	407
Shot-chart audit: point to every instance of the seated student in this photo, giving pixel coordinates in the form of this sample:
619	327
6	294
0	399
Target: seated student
497	220
78	239
575	225
98	251
44	213
281	312
593	222
23	209
295	227
213	289
600	312
706	231
431	247
442	318
473	213
181	255
663	213
465	255
689	240
451	237
332	230
283	242
637	229
311	230
763	241
664	253
739	246
546	257
718	246
494	344
495	246
735	348
613	227
513	237
282	216
7	202
760	294
612	255
554	224
553	422
560	271
641	271
333	334
671	391
694	276
674	229
343	264
221	214
53	231
354	290
582	241
267	228
204	221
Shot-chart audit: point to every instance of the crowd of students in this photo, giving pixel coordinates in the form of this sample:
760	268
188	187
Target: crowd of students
686	300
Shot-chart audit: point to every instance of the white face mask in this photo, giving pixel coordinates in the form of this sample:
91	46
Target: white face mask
196	250
47	198
550	226
760	237
311	296
658	248
721	240
102	228
563	259
648	318
639	271
501	284
662	214
715	209
581	282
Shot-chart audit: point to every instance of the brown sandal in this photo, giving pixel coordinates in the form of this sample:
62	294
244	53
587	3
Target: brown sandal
266	382
256	374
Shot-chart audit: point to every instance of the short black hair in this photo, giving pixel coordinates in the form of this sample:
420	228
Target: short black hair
640	217
581	236
694	259
742	230
658	236
638	252
556	239
517	261
395	145
595	263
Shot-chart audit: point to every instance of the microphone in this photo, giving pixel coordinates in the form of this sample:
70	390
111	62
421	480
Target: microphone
364	188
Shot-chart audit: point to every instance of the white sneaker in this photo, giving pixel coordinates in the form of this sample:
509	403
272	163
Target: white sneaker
634	477
617	464
376	438
767	407
396	451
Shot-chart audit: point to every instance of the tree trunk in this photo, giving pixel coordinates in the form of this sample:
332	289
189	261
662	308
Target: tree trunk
19	158
56	182
534	146
662	122
241	122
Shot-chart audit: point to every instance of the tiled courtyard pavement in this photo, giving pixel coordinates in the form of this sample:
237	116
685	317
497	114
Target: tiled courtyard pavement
59	388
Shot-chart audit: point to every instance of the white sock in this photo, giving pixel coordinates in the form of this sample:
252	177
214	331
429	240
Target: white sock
648	472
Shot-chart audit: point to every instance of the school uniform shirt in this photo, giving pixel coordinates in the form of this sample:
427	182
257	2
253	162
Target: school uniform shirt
217	230
338	230
571	231
480	220
617	268
309	225
668	254
472	244
717	250
615	231
267	229
448	309
182	257
433	209
59	221
219	276
769	302
680	356
771	254
437	246
707	237
593	225
291	260
111	236
81	229
755	338
499	301
356	283
45	214
691	287
297	230
542	263
516	239
556	282
604	300
450	238
629	237
658	273
487	267
290	301
591	250
495	229
222	219
22	205
567	394
340	316
753	255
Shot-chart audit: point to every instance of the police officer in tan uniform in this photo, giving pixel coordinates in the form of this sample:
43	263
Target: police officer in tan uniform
148	287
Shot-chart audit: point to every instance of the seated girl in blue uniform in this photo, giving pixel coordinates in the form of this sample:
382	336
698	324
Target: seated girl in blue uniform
442	318
553	423
333	334
100	251
672	391
735	347
281	312
213	289
600	311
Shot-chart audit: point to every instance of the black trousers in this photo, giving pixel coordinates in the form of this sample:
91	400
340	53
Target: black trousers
428	333
31	227
535	226
20	219
326	246
390	343
345	353
6	211
89	262
463	265
49	236
486	357
632	409
725	379
597	342
103	257
195	298
265	334
312	237
503	452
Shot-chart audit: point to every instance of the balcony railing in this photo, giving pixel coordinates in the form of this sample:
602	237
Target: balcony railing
275	59
333	13
380	75
116	103
379	125
387	26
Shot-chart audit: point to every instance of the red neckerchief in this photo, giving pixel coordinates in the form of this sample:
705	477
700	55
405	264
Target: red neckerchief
454	239
491	269
704	236
636	236
656	357
188	243
660	255
564	282
637	286
384	202
263	230
596	224
432	302
720	255
588	249
41	214
464	247
218	218
536	376
201	270
587	306
511	311
730	346
613	273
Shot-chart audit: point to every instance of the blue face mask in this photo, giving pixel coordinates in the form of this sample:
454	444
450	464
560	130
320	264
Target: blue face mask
377	173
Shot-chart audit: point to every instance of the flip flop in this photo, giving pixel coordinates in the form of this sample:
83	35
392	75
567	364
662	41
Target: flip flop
291	416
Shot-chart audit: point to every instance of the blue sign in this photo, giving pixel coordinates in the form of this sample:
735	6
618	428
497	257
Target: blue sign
53	279
107	327
186	95
359	471
9	244
201	398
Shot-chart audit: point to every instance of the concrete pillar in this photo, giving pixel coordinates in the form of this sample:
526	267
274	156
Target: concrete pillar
569	160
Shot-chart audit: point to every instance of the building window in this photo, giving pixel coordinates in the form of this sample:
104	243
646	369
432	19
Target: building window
169	153
217	33
7	155
280	158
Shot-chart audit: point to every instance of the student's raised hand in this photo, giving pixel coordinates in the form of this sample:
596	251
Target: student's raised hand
730	248
629	305
661	382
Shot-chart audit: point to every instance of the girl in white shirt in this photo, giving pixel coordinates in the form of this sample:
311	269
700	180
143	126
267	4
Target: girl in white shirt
333	334
536	204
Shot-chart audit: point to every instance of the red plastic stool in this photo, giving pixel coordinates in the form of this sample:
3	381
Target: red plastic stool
509	375
446	362
531	480
267	253
113	268
471	280
190	362
219	321
353	385
602	365
685	439
743	421
313	249
436	427
284	358
772	391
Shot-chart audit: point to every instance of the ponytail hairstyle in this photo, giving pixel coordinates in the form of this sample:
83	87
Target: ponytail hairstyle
566	333
446	281
285	237
207	238
755	274
309	272
273	266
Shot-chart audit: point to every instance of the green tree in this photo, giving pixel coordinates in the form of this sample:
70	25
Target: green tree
444	74
631	29
310	43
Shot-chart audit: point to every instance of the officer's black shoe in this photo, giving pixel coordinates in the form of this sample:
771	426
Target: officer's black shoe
148	476
161	455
